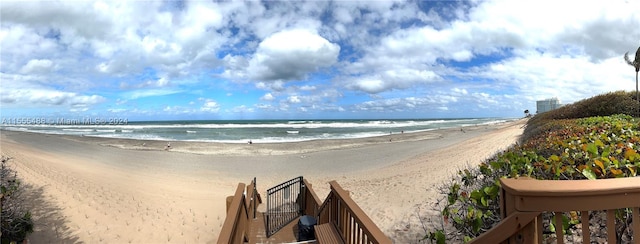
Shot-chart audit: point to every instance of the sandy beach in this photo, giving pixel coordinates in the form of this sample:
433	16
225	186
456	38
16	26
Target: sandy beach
86	189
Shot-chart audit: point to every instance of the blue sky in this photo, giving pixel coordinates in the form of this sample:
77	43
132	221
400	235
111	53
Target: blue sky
166	60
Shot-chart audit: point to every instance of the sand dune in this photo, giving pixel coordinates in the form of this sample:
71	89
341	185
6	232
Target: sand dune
112	190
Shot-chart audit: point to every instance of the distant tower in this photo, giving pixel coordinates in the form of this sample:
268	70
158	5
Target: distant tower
547	105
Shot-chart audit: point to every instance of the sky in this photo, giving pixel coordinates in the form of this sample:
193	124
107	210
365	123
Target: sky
191	60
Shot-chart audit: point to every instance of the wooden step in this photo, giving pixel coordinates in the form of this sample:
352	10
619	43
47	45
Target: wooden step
327	233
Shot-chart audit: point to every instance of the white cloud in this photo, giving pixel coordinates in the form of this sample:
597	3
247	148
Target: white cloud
460	91
39	66
370	85
150	93
210	106
392	79
275	85
268	97
543	76
291	55
117	110
42	97
161	82
293	99
308	88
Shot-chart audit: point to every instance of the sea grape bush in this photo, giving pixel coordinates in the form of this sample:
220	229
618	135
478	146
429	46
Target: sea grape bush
587	148
15	219
612	103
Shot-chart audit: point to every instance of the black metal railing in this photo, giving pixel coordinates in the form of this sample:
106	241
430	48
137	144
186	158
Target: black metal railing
284	203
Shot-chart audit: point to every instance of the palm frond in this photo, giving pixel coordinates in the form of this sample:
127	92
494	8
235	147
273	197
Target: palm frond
626	58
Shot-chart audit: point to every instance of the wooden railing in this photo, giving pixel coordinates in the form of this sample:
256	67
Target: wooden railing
524	200
353	225
338	209
312	202
241	208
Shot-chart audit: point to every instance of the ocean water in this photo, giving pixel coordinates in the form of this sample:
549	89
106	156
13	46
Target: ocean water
258	131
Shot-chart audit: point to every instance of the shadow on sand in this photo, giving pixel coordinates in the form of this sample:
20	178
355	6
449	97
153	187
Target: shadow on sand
50	226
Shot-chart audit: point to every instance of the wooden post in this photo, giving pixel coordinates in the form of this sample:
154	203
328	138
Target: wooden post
528	233
229	200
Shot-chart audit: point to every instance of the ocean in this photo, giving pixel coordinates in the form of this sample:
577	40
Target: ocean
241	131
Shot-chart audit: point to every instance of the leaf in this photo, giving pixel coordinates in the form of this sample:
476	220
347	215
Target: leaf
599	143
616	172
632	168
630	154
453	193
491	191
554	158
440	237
467	239
587	172
484	201
592	149
476	195
477	224
574	215
565	224
606	151
599	164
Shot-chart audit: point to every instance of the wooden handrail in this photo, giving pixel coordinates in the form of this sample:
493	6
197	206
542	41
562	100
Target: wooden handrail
338	209
506	228
573	195
233	228
312	201
522	199
561	188
350	220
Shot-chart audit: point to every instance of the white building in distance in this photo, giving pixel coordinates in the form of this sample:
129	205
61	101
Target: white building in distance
547	105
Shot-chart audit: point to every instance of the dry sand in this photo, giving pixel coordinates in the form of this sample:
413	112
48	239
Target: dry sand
94	190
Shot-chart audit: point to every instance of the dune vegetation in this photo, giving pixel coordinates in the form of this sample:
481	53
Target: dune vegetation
15	219
594	138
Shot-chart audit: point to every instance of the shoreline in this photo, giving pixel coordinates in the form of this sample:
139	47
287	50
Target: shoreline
269	148
97	189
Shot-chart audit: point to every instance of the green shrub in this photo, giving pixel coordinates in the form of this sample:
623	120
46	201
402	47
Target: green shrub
587	148
590	139
612	103
15	220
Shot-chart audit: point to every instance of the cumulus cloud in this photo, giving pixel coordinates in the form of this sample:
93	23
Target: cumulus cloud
392	79
543	75
161	82
293	99
42	97
291	55
210	106
38	66
267	97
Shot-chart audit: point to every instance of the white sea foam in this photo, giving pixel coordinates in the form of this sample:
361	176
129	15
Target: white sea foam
257	131
79	130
